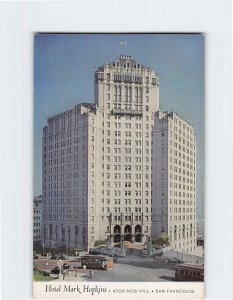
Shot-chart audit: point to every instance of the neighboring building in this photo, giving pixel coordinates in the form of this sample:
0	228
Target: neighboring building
200	227
174	181
97	165
97	161
37	218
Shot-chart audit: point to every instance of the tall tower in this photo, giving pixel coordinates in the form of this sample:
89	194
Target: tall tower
127	94
128	85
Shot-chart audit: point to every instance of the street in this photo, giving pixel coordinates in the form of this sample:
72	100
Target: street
130	269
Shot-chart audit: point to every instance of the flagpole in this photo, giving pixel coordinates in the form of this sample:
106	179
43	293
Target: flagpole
123	43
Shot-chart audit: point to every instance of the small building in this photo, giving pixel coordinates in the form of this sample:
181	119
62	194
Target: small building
200	227
37	216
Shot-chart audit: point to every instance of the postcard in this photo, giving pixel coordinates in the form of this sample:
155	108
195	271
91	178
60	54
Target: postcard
118	207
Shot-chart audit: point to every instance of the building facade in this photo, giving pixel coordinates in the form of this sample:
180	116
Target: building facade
102	165
37	218
97	161
127	93
174	181
69	207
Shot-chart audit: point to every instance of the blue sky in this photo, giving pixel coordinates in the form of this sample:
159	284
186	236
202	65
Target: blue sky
64	66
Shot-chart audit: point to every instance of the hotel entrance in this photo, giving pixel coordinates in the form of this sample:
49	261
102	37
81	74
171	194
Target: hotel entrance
128	233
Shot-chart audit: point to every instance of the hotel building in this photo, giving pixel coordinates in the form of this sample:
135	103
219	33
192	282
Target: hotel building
97	161
98	178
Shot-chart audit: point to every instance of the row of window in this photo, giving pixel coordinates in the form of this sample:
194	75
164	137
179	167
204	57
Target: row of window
65	217
183	202
184	210
177	153
128	125
126	193
181	163
83	201
180	178
190	145
182	125
49	135
182	217
127	117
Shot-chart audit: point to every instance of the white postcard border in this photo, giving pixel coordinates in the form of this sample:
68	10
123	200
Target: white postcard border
19	20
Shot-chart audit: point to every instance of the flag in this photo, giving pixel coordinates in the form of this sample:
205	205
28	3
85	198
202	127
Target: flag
123	42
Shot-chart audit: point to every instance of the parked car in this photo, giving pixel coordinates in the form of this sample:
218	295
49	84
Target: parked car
53	257
61	257
64	268
55	270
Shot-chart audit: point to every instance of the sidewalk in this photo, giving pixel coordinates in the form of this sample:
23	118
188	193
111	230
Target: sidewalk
81	276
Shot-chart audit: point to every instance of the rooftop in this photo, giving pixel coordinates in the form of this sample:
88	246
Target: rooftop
126	61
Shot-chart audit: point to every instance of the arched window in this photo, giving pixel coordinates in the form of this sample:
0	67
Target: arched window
117	229
127	229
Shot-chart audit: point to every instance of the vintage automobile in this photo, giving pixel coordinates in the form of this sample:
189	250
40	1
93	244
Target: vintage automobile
97	262
189	272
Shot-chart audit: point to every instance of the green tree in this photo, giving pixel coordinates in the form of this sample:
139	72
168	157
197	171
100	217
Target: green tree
164	237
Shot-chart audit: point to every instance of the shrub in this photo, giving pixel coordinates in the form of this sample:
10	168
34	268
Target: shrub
100	242
40	276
